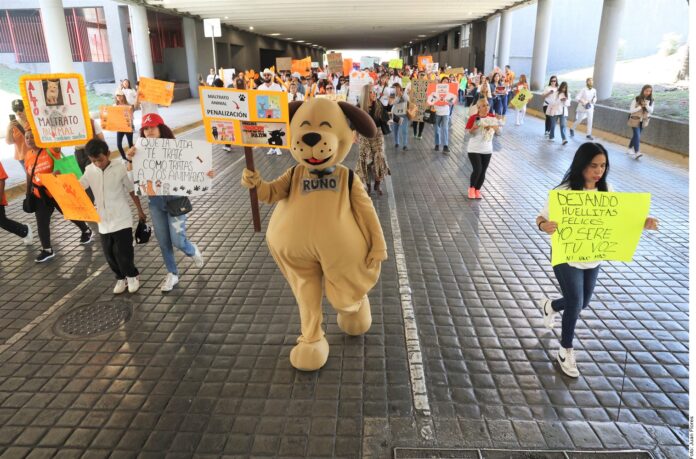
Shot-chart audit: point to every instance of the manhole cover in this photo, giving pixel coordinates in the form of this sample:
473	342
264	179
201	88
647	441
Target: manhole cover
93	319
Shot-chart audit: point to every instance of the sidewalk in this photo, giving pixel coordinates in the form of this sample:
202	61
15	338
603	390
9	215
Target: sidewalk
203	371
177	115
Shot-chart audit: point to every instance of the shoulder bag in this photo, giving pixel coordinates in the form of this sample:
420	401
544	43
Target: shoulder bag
29	203
178	206
65	164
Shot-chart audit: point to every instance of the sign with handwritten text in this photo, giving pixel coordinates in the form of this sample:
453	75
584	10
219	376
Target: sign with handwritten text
56	107
172	167
594	226
155	91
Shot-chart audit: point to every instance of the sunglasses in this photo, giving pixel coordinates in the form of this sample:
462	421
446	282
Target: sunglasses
329	87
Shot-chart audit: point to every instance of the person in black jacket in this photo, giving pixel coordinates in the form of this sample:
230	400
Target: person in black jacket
372	164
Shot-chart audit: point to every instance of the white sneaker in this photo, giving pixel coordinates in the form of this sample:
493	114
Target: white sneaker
271	152
630	151
279	151
566	358
549	313
198	258
29	238
227	148
637	155
133	284
169	282
120	286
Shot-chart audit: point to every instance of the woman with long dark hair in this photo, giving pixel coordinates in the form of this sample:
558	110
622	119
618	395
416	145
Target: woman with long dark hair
558	111
372	164
170	230
639	116
588	172
547	95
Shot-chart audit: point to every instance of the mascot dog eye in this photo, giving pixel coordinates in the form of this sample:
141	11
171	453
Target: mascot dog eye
324	232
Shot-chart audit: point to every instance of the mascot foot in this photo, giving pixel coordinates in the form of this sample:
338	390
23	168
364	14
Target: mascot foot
310	356
356	323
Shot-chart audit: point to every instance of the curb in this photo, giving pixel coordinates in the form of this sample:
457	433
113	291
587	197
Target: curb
20	189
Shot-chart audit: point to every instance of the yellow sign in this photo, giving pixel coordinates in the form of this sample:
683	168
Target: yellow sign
302	66
454	71
155	91
424	61
71	197
56	107
245	117
521	99
396	63
116	118
594	226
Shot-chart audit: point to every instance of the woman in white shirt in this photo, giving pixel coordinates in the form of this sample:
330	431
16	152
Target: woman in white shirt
293	94
399	115
639	116
558	111
128	91
547	94
587	172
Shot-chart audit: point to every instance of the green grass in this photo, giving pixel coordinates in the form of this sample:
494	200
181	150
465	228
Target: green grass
9	82
669	103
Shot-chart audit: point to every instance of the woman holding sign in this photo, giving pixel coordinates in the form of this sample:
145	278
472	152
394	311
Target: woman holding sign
588	172
169	229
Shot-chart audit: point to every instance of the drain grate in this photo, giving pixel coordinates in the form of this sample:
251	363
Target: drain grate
93	319
437	453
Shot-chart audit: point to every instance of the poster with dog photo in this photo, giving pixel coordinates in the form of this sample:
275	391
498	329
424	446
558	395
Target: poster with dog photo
56	107
264	134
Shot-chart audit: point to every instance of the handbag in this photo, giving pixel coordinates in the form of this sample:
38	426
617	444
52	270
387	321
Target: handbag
29	203
633	121
66	164
429	116
179	206
411	111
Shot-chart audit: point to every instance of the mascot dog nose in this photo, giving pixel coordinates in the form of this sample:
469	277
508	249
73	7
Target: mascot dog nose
311	139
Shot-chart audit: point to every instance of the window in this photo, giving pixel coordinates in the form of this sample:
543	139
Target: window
465	35
87	34
457	39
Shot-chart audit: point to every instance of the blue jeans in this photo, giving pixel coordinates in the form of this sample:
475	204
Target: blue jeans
635	140
401	130
562	121
441	130
460	93
577	286
170	232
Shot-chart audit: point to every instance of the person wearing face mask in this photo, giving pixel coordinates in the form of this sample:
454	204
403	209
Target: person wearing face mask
170	230
586	101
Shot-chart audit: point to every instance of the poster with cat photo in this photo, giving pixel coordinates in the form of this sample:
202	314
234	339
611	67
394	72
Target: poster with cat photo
56	107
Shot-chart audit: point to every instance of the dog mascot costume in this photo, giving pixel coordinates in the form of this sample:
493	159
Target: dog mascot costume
324	232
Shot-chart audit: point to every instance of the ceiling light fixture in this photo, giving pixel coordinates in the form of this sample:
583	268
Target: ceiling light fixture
251	27
274	34
299	41
227	17
421	36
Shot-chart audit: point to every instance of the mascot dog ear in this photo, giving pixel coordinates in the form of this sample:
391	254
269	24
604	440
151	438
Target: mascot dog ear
293	108
359	119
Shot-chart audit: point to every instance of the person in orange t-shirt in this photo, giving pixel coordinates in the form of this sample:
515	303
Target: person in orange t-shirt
21	230
38	161
15	130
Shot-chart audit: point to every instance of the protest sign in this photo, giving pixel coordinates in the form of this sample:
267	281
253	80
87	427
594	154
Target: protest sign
432	67
521	99
245	117
116	118
335	97
442	93
423	61
228	76
357	80
347	66
396	63
419	96
56	107
172	167
454	71
155	91
284	64
71	197
302	66
315	65
594	226
366	62
335	62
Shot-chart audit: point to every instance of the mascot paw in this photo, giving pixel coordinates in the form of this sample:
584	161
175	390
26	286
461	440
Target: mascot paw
358	322
310	356
250	179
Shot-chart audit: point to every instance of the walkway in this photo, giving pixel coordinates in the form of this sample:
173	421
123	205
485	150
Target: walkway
204	370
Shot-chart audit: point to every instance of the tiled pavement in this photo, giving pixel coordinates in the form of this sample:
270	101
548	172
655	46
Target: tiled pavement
204	371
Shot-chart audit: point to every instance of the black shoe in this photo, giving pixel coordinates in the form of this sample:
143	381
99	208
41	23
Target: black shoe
437	147
405	148
45	255
565	142
572	133
396	146
445	149
87	237
589	137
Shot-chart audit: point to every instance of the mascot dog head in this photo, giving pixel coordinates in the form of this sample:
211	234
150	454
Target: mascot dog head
321	131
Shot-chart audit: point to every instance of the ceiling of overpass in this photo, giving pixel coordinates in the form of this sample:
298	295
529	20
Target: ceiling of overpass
342	24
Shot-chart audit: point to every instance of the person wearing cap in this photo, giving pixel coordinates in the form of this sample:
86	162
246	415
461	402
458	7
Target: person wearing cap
170	230
16	129
110	184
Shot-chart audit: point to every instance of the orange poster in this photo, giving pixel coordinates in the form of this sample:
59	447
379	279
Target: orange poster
71	197
347	66
302	66
116	118
155	91
423	61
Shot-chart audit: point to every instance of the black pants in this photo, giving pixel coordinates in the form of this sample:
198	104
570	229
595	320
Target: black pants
44	210
118	249
119	141
11	225
418	128
479	161
547	121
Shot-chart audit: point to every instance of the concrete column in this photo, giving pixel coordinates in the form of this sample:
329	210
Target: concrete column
542	37
191	46
56	35
118	42
504	35
607	47
491	47
141	41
